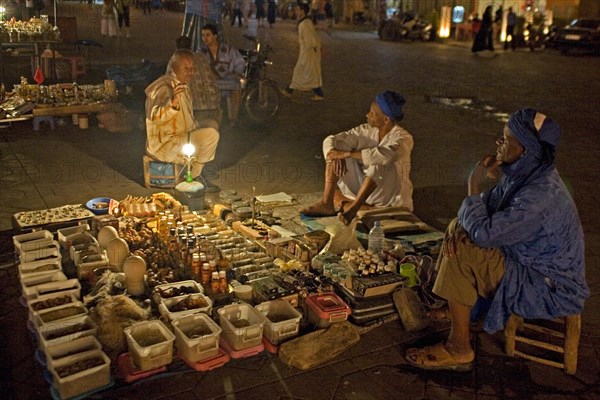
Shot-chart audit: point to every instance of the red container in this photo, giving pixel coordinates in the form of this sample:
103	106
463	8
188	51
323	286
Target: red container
326	309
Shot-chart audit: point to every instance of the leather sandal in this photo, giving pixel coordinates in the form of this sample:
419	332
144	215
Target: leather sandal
436	357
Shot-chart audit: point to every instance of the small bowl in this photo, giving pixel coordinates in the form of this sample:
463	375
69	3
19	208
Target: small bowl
99	205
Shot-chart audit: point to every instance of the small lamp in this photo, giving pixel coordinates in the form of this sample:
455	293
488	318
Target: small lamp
188	151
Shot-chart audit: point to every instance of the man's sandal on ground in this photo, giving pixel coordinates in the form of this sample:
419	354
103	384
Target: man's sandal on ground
435	358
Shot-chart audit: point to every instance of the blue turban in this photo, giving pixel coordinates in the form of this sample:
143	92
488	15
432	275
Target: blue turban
391	104
540	143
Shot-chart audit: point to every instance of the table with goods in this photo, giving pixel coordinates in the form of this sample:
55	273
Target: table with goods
118	291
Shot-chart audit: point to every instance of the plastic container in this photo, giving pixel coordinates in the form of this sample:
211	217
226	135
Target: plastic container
31	241
41	267
242	326
65	233
326	309
160	291
197	337
29	284
50	301
166	306
376	237
150	344
83	381
80	241
43	251
59	351
79	256
281	320
69	286
59	314
67	331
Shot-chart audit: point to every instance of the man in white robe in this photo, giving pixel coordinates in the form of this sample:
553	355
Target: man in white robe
307	72
170	119
370	163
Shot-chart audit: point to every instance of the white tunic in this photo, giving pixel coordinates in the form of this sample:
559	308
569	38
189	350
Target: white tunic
386	162
307	72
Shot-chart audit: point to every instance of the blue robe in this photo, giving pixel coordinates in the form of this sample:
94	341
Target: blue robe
539	233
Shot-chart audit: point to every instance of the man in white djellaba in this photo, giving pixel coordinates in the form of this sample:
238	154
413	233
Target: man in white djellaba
307	72
370	163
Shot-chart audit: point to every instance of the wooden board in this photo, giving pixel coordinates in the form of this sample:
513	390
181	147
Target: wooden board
76	109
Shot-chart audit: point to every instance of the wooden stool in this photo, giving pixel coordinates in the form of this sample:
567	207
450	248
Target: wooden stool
566	329
170	180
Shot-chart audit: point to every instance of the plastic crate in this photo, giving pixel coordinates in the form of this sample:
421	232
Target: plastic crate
52	334
166	304
83	381
197	337
281	320
325	309
31	241
242	326
150	344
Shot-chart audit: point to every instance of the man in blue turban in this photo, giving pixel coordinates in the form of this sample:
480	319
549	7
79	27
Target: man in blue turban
517	247
370	163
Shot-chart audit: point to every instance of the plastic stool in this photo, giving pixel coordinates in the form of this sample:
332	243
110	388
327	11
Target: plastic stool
77	66
568	332
37	120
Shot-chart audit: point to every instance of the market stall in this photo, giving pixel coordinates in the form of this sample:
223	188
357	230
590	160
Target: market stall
118	291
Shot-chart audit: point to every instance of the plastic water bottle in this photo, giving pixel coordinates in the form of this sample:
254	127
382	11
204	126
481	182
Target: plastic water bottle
376	237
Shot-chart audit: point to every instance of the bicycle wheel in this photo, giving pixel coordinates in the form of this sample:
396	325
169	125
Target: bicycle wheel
262	102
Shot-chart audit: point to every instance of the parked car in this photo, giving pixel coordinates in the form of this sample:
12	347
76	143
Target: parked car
581	33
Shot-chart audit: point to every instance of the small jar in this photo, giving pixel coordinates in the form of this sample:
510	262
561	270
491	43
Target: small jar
205	274
222	281
196	267
215	286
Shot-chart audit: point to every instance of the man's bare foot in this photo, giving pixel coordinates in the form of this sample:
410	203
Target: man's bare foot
318	209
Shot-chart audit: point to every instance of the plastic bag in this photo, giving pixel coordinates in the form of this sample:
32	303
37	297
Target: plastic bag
343	236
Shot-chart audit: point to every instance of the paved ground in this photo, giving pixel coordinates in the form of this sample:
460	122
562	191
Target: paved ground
51	168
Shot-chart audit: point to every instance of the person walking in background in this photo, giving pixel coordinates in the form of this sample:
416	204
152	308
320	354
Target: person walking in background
511	22
108	23
122	7
314	10
236	12
329	15
483	39
252	24
307	72
271	12
260	12
146	6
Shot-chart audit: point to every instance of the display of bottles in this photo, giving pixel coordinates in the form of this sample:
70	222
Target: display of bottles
376	237
215	286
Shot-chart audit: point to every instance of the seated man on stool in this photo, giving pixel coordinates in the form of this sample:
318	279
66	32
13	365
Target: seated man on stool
369	163
519	245
170	120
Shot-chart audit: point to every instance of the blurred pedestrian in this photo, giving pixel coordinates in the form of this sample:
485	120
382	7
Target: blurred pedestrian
108	23
146	6
237	12
511	22
483	39
122	7
271	12
307	72
328	9
260	11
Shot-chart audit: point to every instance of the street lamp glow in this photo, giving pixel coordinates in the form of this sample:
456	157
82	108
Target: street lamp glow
445	22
